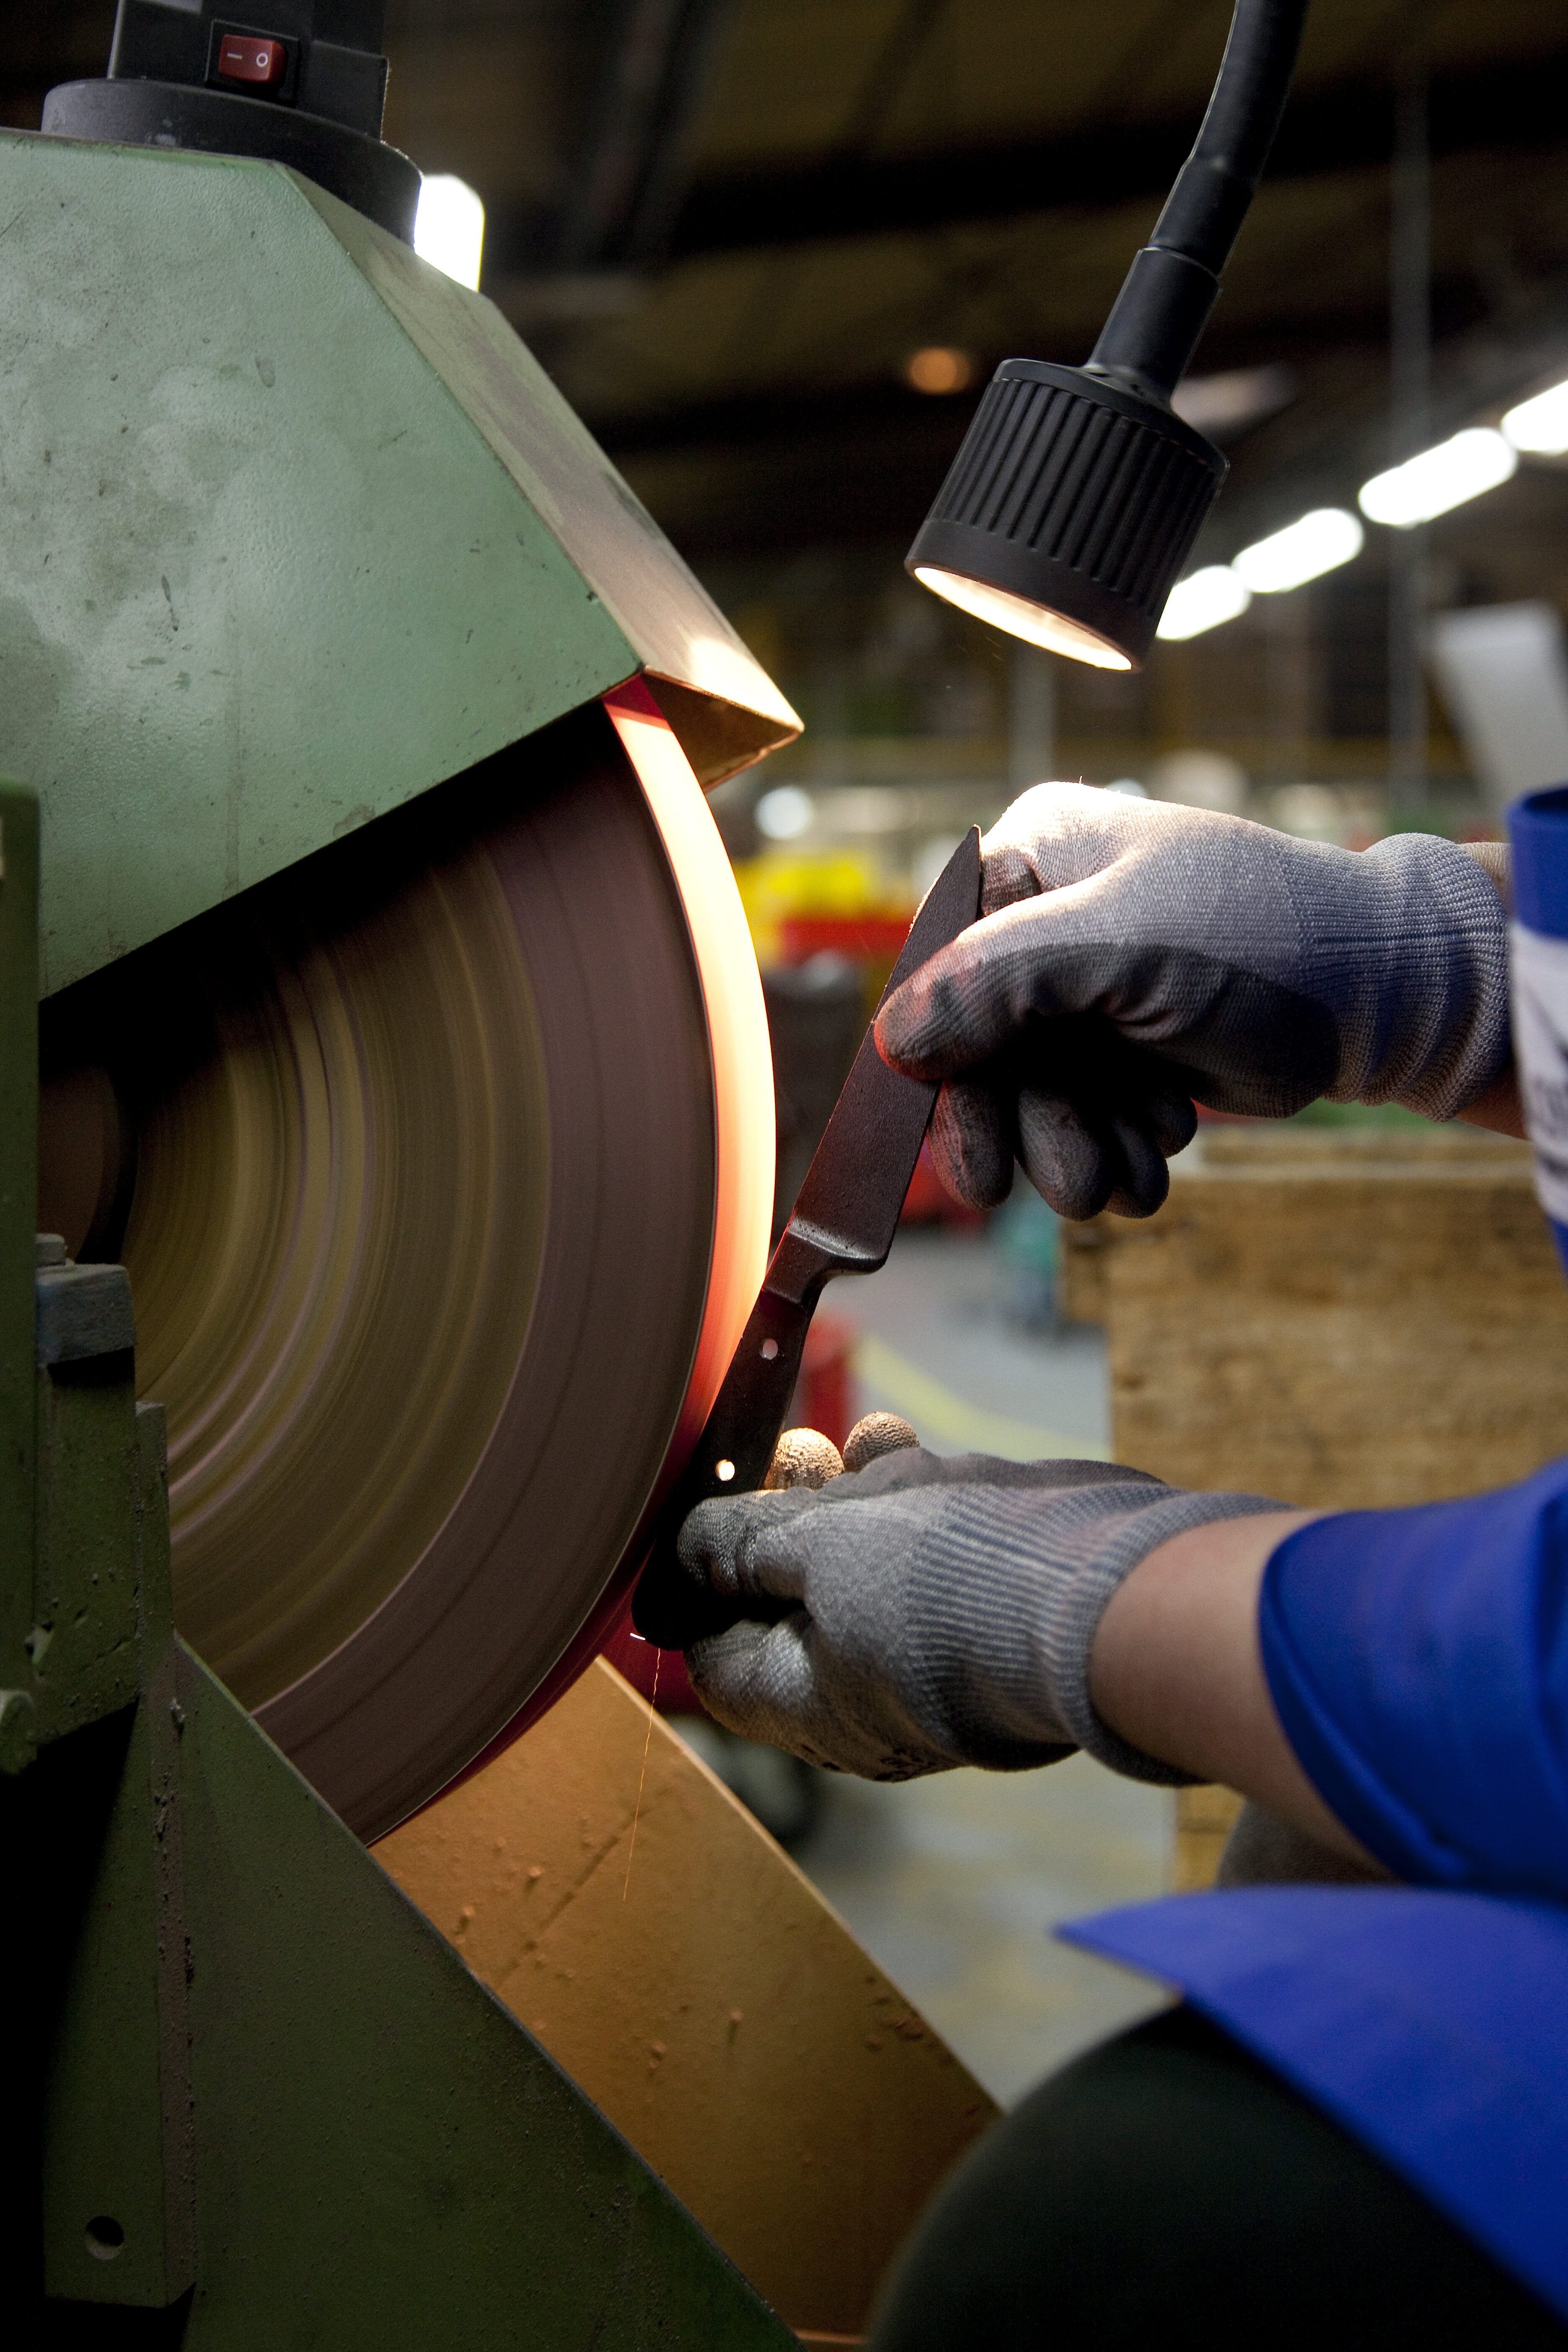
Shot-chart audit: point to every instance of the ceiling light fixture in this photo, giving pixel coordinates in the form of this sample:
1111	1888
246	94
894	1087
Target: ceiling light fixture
1540	425
786	813
1202	602
940	368
1303	551
1439	479
449	227
1076	498
1234	401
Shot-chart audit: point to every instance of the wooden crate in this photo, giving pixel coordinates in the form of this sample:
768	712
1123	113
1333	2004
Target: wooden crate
1335	1317
1339	1319
1205	1819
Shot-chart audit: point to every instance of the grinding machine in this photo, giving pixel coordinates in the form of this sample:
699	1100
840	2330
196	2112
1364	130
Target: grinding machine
405	1130
405	1143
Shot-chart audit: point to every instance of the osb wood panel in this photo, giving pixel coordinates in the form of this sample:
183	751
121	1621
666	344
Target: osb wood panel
1205	1819
708	2002
1366	1322
1083	1263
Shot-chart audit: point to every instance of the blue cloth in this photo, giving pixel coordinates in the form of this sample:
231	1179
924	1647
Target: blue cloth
1433	2026
1418	1660
1537	831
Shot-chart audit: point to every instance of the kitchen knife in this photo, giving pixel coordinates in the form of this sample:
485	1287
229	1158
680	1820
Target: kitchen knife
843	1222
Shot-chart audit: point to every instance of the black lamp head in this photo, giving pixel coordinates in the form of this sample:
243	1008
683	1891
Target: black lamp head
1072	507
1068	512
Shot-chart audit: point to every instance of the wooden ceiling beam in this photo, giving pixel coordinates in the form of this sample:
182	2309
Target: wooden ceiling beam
1516	106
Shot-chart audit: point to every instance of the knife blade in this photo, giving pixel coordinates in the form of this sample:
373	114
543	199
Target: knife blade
843	1222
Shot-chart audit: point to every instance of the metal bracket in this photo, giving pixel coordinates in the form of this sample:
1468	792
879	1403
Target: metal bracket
102	1802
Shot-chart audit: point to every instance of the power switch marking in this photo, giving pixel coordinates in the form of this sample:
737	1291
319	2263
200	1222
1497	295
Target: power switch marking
241	57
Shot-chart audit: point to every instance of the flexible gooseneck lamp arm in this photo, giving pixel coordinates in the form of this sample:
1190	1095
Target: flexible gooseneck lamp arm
1173	284
1074	503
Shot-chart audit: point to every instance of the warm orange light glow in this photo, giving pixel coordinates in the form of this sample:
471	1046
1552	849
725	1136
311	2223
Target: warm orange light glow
1037	622
738	1038
940	368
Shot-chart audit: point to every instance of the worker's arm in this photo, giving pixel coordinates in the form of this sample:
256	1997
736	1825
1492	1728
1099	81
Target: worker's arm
1498	1109
1395	1683
1176	1670
1135	958
925	1611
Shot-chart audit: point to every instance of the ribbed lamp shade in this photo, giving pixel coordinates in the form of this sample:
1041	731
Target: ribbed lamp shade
1070	512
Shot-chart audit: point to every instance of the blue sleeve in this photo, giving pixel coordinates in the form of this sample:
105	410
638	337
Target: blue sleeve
1418	1660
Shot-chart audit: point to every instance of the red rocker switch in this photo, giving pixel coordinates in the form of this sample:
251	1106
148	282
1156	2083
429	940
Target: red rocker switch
241	57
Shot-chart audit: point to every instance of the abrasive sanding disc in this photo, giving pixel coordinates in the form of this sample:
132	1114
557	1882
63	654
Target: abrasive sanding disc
441	1165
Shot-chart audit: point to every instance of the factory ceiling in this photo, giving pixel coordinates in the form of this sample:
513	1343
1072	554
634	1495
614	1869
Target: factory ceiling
726	224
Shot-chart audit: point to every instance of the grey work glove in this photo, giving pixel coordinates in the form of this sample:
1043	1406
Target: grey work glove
1133	957
922	1613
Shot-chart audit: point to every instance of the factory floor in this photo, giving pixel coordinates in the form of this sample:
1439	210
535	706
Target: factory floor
953	1884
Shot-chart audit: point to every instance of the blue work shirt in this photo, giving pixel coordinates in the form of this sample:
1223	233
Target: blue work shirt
1418	1661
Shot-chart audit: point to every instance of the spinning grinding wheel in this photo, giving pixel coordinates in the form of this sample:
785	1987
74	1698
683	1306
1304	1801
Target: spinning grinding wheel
402	1029
442	1167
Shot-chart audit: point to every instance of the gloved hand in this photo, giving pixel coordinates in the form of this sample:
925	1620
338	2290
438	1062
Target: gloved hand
1134	956
921	1613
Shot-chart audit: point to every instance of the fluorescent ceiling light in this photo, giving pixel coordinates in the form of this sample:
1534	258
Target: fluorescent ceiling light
1302	552
1203	601
1222	404
1439	479
1038	624
1541	424
449	227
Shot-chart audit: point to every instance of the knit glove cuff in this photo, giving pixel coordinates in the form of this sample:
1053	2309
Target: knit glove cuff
1434	1035
1071	1609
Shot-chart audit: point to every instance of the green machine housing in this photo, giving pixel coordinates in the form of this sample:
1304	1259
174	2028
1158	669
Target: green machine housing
294	530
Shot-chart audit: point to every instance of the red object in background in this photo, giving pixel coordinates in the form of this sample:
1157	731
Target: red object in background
863	939
260	63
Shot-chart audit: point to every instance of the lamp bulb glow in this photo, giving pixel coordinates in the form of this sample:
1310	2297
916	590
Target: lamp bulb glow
1036	624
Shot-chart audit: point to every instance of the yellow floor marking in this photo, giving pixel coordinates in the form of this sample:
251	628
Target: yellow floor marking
944	1419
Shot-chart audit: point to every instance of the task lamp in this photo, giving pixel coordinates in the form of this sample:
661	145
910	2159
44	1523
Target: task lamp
1073	504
